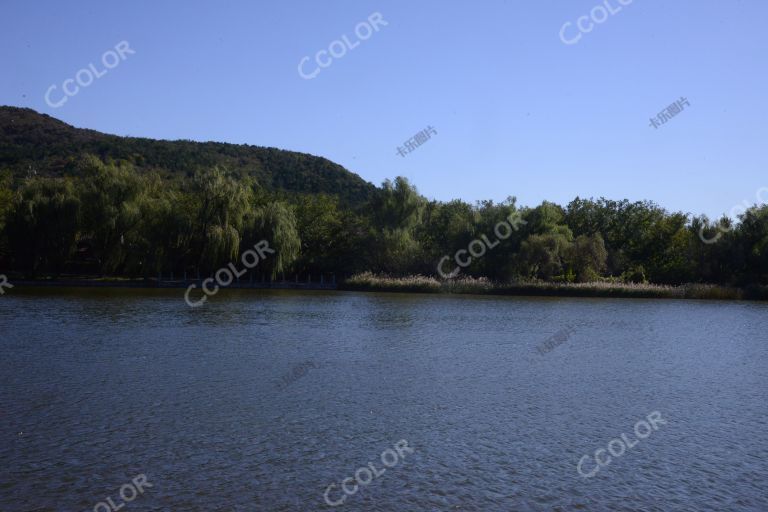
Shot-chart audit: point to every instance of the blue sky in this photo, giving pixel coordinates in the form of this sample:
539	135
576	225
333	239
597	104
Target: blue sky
517	111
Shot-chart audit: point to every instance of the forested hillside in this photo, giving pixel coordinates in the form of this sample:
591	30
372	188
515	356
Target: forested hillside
77	201
35	142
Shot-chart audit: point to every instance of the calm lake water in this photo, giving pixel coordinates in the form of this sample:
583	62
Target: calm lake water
262	400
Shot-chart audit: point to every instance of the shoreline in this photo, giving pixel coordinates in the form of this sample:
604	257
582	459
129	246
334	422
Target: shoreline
424	285
153	284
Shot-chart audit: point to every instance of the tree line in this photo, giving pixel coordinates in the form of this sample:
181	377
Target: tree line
108	218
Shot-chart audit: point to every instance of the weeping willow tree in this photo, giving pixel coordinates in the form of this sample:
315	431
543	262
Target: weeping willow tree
42	226
108	195
275	222
221	204
6	204
397	210
158	239
398	205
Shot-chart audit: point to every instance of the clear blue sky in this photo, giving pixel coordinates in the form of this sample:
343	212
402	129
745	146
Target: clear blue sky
517	112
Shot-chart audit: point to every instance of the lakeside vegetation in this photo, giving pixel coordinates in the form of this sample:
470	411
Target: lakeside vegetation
79	202
368	281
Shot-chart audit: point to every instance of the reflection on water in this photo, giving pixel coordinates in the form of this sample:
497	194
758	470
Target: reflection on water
99	386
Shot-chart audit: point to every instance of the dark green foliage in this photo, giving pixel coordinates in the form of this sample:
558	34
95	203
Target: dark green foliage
43	225
275	222
37	142
81	202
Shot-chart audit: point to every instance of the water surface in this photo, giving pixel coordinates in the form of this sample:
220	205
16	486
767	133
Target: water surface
261	399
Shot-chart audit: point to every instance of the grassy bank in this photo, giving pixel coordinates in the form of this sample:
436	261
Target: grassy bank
422	284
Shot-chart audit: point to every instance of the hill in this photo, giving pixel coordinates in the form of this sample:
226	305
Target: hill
29	139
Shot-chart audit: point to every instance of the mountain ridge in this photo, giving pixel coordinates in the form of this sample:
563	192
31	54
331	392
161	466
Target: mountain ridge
50	146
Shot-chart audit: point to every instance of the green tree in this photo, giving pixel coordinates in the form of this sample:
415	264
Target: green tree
751	238
397	213
160	238
43	225
499	261
275	223
544	256
319	225
108	197
6	206
588	257
220	204
447	227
